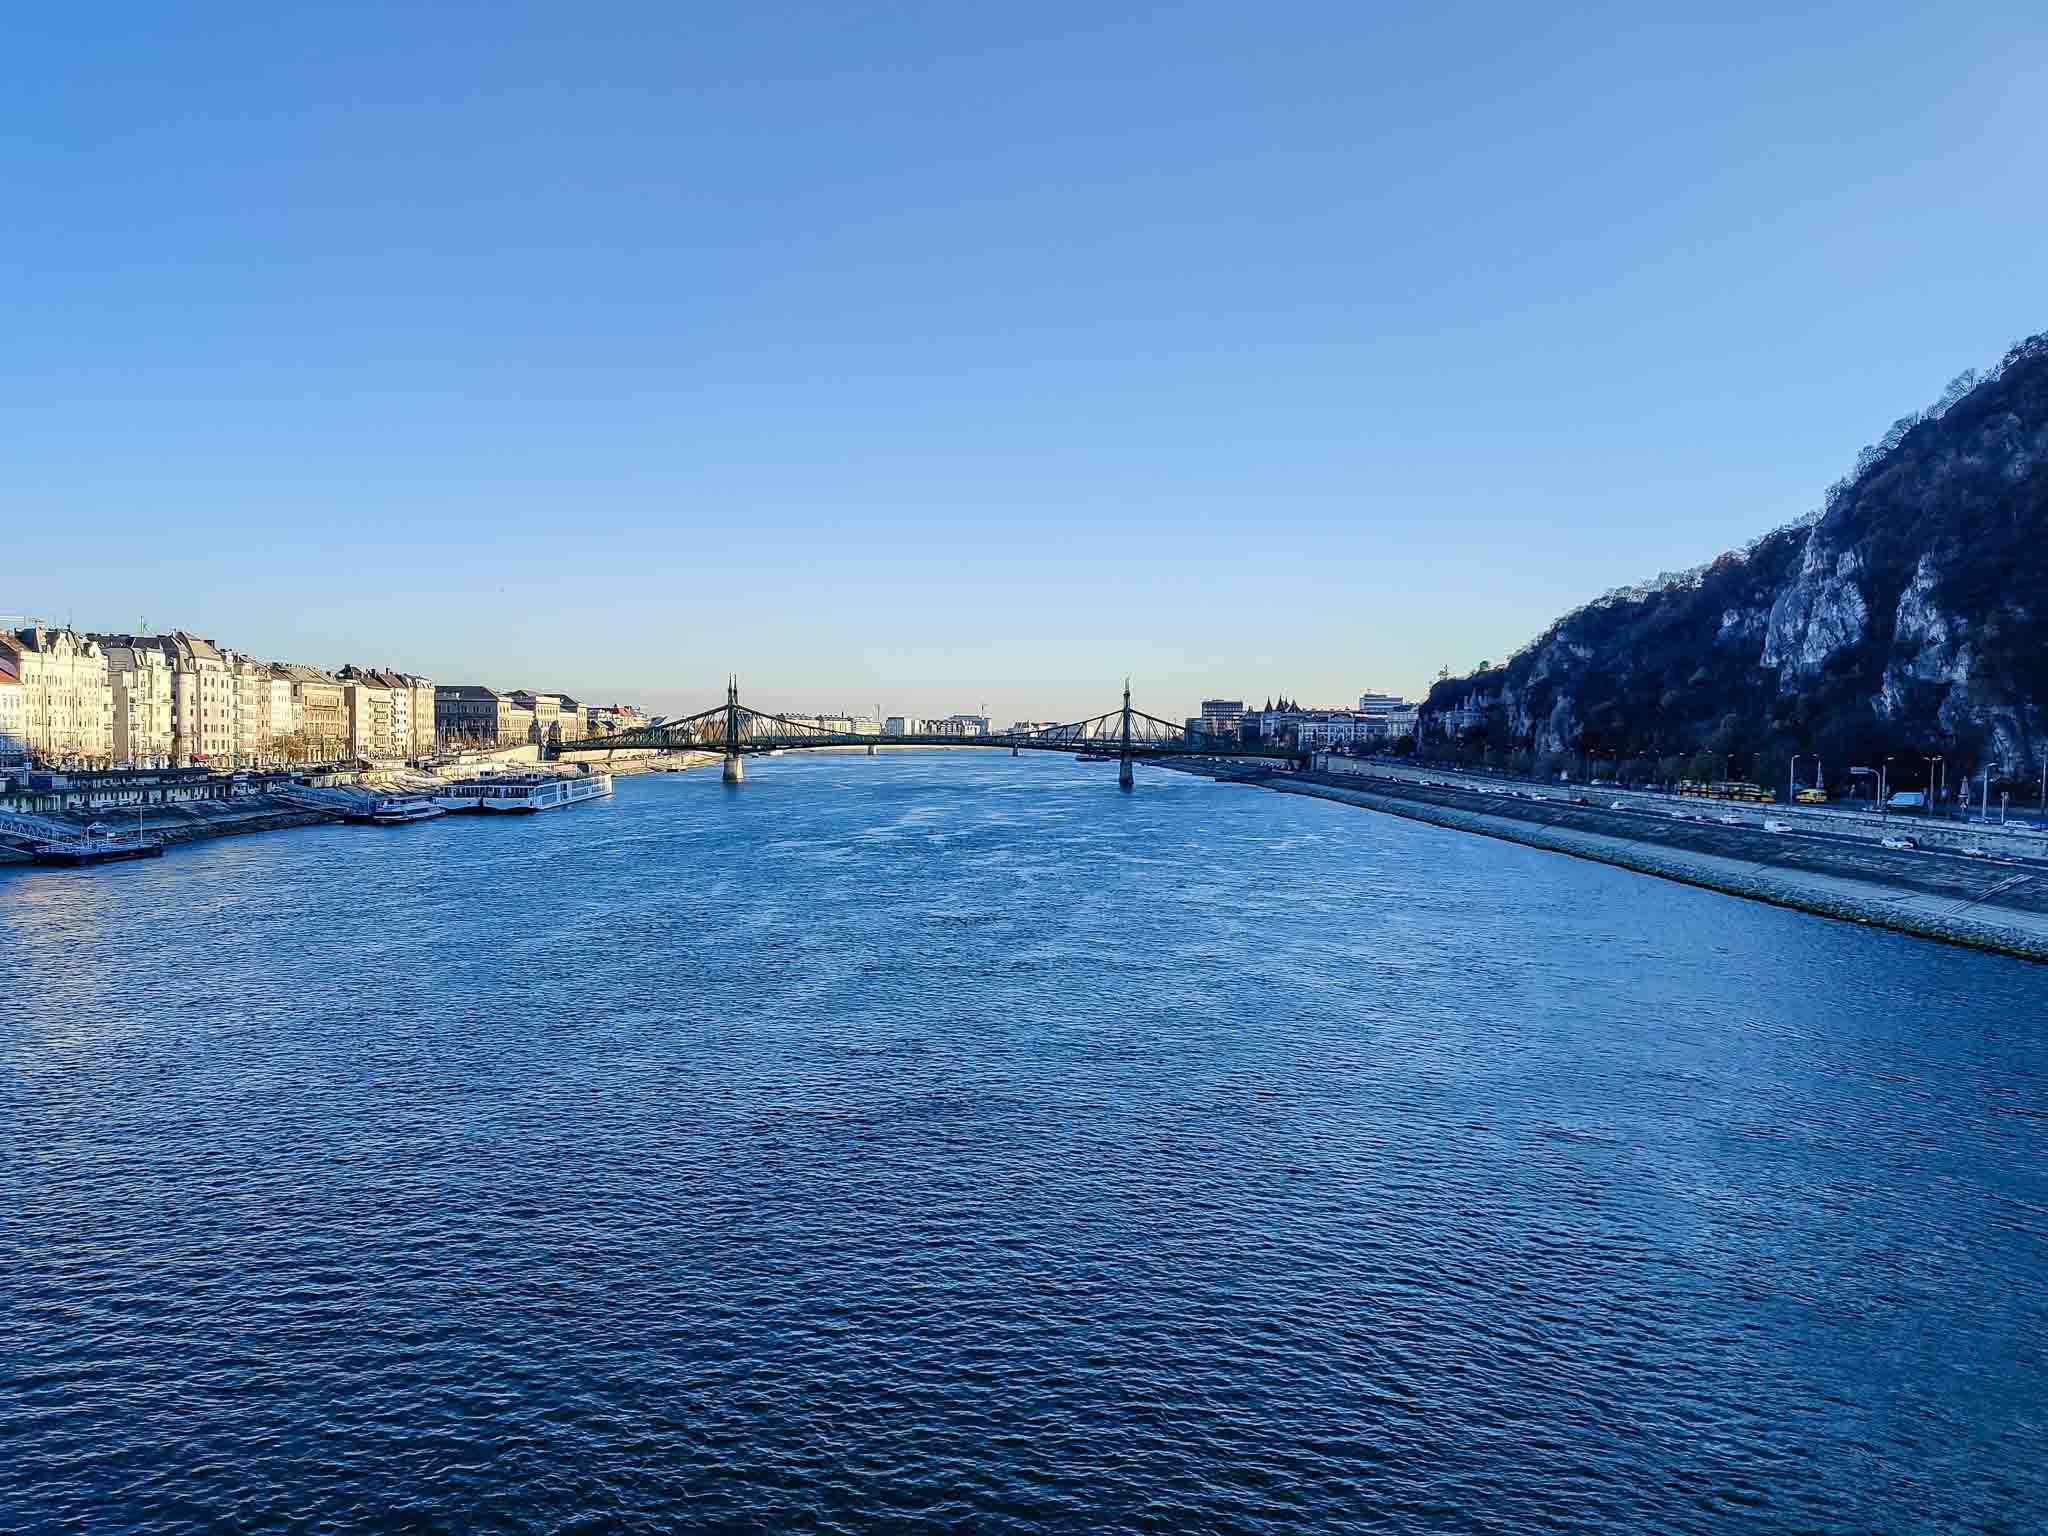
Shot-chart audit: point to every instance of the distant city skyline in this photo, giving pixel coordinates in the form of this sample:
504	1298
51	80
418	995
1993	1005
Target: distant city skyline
944	358
877	708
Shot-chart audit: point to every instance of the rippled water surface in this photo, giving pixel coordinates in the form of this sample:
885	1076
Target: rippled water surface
946	1142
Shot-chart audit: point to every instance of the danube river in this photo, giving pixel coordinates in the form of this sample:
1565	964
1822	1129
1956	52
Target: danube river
946	1142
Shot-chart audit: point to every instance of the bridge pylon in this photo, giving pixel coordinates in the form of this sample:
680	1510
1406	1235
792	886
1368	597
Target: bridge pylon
735	766
1125	779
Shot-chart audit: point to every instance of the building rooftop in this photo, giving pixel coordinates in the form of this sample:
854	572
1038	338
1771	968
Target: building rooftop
42	639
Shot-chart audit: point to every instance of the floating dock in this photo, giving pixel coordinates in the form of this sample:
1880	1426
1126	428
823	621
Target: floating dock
72	855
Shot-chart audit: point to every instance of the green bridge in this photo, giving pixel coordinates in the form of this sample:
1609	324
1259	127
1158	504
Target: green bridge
735	732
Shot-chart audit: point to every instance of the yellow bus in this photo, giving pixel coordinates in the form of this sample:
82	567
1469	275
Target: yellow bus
1727	789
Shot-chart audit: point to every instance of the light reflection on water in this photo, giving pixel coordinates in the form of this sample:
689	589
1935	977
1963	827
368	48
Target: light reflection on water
935	1142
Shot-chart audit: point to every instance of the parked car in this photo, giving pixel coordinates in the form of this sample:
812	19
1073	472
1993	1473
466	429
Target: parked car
1972	851
1777	826
1900	842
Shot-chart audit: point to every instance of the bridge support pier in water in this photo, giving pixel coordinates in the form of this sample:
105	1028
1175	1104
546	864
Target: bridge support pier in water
1124	779
735	768
871	749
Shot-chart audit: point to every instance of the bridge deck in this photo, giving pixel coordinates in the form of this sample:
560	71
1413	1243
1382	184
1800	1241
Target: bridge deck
734	730
643	741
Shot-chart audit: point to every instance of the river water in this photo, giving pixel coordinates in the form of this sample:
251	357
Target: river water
943	1142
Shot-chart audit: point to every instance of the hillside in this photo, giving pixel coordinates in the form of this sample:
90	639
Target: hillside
1908	618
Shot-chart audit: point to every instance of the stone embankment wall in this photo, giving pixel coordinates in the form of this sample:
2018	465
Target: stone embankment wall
194	821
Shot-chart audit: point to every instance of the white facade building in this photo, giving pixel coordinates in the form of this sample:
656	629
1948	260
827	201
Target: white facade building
139	673
205	702
840	725
1221	717
1340	730
13	718
276	719
371	724
262	709
67	704
401	718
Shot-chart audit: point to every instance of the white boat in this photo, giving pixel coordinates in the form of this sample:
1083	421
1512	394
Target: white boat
404	808
464	796
523	793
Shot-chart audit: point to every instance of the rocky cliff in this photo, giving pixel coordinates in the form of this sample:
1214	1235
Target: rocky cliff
1907	618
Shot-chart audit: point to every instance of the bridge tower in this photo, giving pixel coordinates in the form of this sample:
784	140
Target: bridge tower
735	765
1124	778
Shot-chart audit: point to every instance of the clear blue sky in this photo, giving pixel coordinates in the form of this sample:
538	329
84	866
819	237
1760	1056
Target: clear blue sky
937	354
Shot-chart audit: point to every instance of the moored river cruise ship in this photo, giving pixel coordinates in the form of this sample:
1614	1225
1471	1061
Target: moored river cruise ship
523	793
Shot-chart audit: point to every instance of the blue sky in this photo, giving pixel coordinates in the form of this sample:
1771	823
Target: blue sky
934	355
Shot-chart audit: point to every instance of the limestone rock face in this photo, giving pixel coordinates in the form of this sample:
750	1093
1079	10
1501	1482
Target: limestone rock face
1910	614
1819	613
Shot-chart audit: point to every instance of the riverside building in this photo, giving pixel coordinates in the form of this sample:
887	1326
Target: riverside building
13	724
319	711
67	704
205	701
140	675
370	716
471	715
555	716
1222	717
399	711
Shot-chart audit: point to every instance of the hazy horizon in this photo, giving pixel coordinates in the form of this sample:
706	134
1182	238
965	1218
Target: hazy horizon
932	359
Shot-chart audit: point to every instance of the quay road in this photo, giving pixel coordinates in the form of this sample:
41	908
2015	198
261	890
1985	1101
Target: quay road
2016	838
1991	902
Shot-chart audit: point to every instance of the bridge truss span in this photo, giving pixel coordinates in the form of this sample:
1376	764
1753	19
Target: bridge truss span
734	731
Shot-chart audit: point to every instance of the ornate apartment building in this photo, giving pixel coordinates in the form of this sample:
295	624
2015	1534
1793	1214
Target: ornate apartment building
392	714
319	709
141	676
13	716
468	714
67	705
